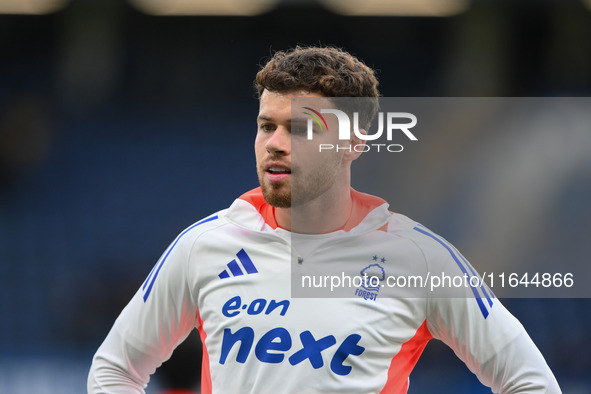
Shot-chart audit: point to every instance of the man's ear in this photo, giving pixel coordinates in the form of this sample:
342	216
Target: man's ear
357	146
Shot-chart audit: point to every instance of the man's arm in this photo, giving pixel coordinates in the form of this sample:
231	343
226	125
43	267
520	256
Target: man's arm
158	318
479	329
497	349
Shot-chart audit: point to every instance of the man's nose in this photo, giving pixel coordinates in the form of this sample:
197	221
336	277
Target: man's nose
280	141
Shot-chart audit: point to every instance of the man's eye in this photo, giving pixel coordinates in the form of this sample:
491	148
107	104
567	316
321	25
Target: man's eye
299	129
267	127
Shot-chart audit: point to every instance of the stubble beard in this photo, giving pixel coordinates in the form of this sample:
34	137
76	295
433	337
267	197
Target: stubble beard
289	194
272	192
275	197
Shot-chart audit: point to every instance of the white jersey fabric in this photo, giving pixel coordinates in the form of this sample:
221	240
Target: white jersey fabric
229	276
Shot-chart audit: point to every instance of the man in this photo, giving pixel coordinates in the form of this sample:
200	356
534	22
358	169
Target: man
230	274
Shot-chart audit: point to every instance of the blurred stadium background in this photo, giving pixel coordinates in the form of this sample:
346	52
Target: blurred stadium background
122	122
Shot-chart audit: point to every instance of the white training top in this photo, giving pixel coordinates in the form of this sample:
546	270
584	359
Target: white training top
239	279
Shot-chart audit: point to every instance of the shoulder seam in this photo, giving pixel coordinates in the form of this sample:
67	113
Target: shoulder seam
410	230
464	266
223	222
151	279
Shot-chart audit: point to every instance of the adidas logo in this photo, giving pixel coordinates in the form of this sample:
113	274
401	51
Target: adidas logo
235	269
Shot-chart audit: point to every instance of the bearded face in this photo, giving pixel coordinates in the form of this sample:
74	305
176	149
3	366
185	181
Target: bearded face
290	168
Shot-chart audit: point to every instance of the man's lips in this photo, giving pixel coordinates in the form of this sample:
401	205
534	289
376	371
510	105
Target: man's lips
277	172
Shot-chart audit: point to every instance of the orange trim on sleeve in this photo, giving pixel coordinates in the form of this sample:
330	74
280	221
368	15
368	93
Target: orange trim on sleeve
205	372
403	363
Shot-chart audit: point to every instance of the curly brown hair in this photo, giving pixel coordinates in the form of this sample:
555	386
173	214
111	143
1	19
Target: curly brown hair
329	71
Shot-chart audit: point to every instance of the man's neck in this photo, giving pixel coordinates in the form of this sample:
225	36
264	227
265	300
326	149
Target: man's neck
320	216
